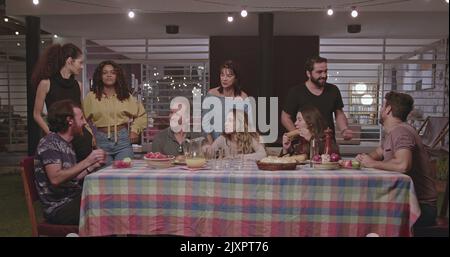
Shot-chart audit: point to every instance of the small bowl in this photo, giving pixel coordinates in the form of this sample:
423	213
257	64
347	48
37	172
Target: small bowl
276	166
160	163
119	164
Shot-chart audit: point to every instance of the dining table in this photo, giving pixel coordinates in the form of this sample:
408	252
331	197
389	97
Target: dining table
245	201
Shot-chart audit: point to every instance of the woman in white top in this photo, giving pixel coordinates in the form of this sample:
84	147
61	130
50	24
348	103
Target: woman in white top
238	139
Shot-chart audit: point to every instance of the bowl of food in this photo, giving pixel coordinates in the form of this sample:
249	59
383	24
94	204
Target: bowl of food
326	161
122	164
277	163
158	160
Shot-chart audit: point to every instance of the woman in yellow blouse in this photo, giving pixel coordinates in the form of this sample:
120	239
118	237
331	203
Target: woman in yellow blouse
118	117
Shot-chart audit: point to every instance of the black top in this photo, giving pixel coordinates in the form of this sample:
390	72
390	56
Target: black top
327	103
62	89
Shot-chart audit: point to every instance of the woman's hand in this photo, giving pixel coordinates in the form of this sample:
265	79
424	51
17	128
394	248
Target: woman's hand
286	142
134	137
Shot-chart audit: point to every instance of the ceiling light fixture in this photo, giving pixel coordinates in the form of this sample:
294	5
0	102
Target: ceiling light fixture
330	11
244	13
354	12
131	14
35	2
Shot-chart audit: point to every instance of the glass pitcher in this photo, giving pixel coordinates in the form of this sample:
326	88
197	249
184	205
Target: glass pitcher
195	157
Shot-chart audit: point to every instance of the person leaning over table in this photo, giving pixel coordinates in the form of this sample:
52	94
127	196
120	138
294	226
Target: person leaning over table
58	175
54	77
238	139
320	94
119	118
310	125
401	150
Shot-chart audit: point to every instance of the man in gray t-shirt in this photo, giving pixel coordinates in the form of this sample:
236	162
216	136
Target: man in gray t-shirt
402	151
57	174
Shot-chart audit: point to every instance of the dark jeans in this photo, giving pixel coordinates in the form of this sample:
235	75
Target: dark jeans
427	217
67	214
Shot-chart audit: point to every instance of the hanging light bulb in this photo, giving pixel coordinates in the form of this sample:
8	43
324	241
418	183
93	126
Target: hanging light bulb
35	2
6	19
131	14
244	13
330	11
17	33
230	18
55	36
354	12
446	1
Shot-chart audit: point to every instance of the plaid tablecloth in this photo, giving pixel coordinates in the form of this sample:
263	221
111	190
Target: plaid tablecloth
304	202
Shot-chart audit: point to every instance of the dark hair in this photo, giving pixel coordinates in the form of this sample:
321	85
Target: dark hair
309	65
52	61
58	113
313	119
122	90
400	103
234	68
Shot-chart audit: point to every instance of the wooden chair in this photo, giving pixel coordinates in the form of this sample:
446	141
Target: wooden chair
433	131
31	196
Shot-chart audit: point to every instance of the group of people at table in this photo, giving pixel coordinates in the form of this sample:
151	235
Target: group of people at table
70	149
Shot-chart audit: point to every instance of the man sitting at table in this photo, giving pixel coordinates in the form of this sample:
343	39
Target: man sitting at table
57	174
402	150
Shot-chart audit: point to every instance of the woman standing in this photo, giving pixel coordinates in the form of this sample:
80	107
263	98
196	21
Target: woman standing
119	118
229	87
54	76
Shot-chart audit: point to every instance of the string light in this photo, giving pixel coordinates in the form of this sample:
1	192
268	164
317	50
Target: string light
230	18
6	19
35	2
55	36
244	13
18	44
17	33
330	11
354	12
446	1
131	14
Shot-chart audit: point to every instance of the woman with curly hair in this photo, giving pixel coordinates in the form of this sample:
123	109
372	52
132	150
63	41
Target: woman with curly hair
310	125
118	116
54	77
237	138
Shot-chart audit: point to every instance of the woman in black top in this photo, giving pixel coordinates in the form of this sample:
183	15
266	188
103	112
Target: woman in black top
54	76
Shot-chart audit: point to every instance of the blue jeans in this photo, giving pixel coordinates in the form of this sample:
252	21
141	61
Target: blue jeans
115	151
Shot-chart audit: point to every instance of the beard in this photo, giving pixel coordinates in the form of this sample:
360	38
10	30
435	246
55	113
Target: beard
381	120
77	130
319	82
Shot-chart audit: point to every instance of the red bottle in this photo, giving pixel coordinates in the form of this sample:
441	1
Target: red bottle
328	137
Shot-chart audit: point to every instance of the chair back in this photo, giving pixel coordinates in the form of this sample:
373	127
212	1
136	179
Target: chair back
434	129
31	195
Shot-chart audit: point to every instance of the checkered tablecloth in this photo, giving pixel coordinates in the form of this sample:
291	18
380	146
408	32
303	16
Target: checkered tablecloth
251	202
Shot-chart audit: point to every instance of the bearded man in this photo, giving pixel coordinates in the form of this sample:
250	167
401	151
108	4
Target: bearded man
316	92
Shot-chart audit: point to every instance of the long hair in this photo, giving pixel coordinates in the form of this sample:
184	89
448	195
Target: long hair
121	87
244	139
314	120
53	60
233	67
